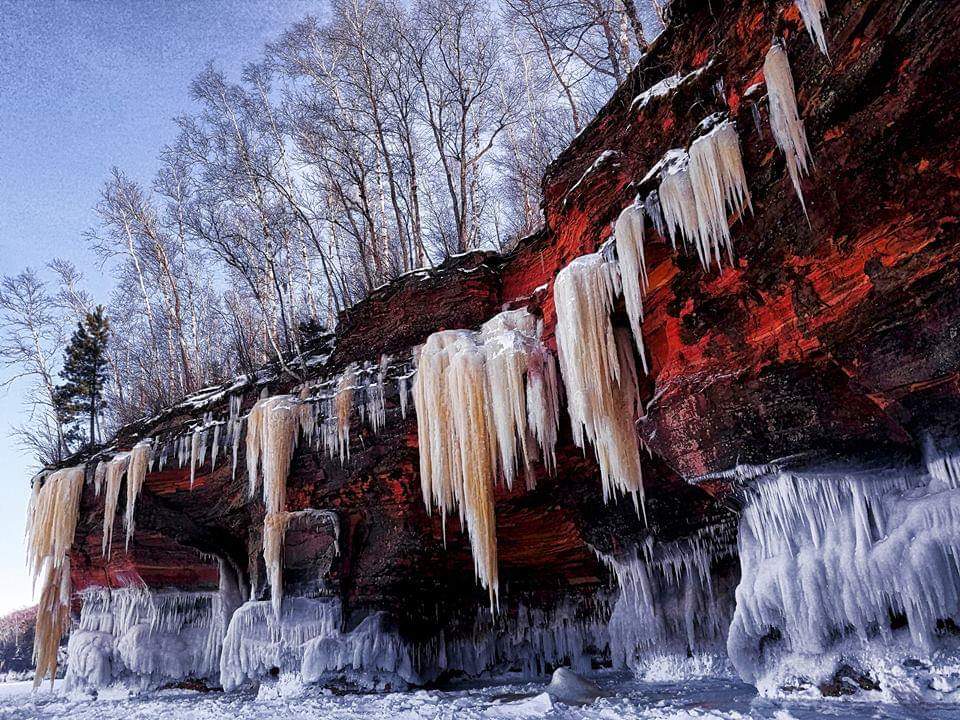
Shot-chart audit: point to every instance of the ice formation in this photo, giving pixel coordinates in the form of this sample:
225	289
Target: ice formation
671	607
785	122
113	475
719	185
140	458
837	567
272	431
342	406
258	639
479	398
700	187
146	639
599	373
813	12
678	202
628	233
51	524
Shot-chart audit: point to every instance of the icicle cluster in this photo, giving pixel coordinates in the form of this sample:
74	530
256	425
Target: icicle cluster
51	524
785	122
141	456
113	473
272	431
813	12
144	638
484	400
670	606
599	373
830	560
700	187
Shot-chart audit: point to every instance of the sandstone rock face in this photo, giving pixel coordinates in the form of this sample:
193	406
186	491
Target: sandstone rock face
833	336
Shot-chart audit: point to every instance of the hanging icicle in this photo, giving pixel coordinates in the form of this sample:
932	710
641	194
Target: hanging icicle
813	12
678	202
116	467
482	400
599	376
342	406
719	184
140	459
785	122
51	524
628	233
273	426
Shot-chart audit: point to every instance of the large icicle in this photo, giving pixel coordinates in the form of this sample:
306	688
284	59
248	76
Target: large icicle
51	524
813	12
272	430
342	406
116	467
140	458
597	374
479	398
785	122
628	232
719	184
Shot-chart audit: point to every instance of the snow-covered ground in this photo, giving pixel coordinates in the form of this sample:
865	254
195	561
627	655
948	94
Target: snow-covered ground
623	700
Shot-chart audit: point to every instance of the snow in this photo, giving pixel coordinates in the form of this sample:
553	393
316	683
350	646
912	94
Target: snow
665	87
623	699
604	157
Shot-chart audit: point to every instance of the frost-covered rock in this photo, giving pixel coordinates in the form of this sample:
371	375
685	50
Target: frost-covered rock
568	687
846	569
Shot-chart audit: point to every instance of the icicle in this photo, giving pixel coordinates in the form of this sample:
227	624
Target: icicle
343	404
628	233
140	457
116	468
785	122
273	424
719	184
404	392
51	524
597	376
196	443
474	393
651	207
215	448
274	530
813	12
98	476
237	427
678	202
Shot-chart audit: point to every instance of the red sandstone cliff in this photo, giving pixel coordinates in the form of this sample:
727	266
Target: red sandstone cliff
835	338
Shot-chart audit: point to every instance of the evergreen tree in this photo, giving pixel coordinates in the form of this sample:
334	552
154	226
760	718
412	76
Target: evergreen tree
85	372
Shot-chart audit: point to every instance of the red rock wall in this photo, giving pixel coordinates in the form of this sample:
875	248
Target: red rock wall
836	337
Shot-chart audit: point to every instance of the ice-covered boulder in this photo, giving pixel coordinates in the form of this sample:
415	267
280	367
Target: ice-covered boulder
572	689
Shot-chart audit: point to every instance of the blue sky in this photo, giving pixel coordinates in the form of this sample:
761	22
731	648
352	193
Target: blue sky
85	86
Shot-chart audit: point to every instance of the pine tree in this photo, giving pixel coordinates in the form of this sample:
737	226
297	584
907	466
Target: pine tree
85	371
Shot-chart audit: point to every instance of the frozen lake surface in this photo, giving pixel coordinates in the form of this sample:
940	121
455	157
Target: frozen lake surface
625	699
